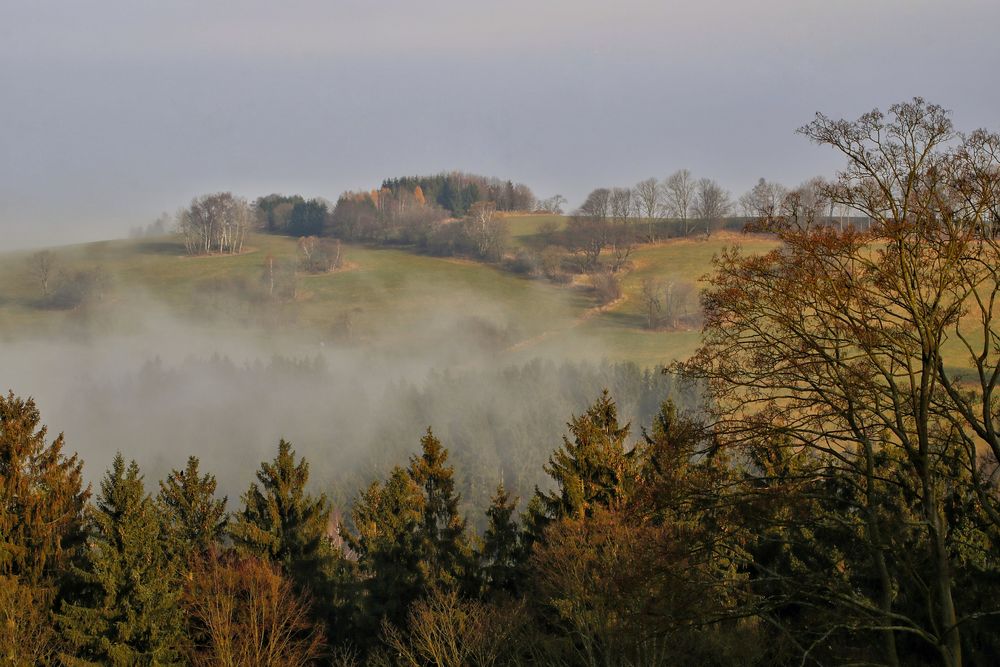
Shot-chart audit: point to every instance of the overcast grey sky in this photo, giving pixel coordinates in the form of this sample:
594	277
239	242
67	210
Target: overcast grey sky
114	111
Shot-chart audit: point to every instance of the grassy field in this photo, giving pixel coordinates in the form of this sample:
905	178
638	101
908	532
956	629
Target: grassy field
394	298
524	228
386	295
679	261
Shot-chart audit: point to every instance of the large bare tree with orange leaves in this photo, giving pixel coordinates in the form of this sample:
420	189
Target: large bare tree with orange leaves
875	346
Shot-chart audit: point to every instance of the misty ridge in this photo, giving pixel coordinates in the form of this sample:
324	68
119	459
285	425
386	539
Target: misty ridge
481	334
499	334
133	375
825	482
438	461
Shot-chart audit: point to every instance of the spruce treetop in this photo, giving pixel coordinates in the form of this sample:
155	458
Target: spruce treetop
195	518
283	523
42	497
126	609
594	468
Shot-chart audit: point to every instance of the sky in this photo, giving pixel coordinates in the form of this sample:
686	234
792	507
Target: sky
112	112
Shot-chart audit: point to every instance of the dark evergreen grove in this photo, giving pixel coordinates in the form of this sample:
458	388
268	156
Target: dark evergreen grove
662	548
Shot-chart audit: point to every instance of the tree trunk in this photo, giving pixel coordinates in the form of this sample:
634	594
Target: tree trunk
950	642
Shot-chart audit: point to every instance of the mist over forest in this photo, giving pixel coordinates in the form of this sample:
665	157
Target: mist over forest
166	388
389	429
489	334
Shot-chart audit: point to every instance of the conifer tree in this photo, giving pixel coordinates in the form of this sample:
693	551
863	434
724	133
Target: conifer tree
127	611
445	553
594	468
194	518
534	519
42	503
281	522
502	555
387	518
674	462
42	498
410	537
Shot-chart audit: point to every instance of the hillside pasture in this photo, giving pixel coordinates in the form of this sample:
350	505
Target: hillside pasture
395	299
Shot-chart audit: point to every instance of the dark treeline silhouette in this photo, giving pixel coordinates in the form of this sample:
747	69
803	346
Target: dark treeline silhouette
652	548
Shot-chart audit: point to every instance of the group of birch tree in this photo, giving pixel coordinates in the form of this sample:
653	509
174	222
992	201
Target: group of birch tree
215	224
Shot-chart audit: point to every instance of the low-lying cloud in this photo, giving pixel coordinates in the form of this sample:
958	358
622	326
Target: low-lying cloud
159	387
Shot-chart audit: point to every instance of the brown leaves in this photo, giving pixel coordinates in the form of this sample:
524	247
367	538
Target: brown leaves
245	613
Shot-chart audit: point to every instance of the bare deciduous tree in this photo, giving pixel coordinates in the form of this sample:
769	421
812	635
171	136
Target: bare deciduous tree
807	204
711	203
680	304
307	247
597	204
679	190
650	201
27	634
763	200
621	234
838	344
42	266
669	304
244	613
317	255
487	230
652	301
523	198
279	279
589	229
553	204
606	286
447	631
620	205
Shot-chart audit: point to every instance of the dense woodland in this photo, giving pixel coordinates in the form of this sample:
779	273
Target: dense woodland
827	494
446	195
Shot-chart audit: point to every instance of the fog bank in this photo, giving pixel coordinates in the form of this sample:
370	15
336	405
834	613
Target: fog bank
165	388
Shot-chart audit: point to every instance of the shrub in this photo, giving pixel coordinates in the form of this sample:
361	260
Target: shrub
79	288
524	262
606	286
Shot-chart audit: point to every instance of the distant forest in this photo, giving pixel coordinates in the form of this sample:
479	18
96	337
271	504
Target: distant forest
456	192
451	194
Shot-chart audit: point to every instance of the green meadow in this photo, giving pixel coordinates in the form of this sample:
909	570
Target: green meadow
380	294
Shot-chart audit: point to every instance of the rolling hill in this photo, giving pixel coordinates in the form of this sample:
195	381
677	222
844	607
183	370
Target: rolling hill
381	296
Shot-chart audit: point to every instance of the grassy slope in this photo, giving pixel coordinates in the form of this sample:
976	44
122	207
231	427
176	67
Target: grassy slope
386	290
523	228
678	261
621	330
